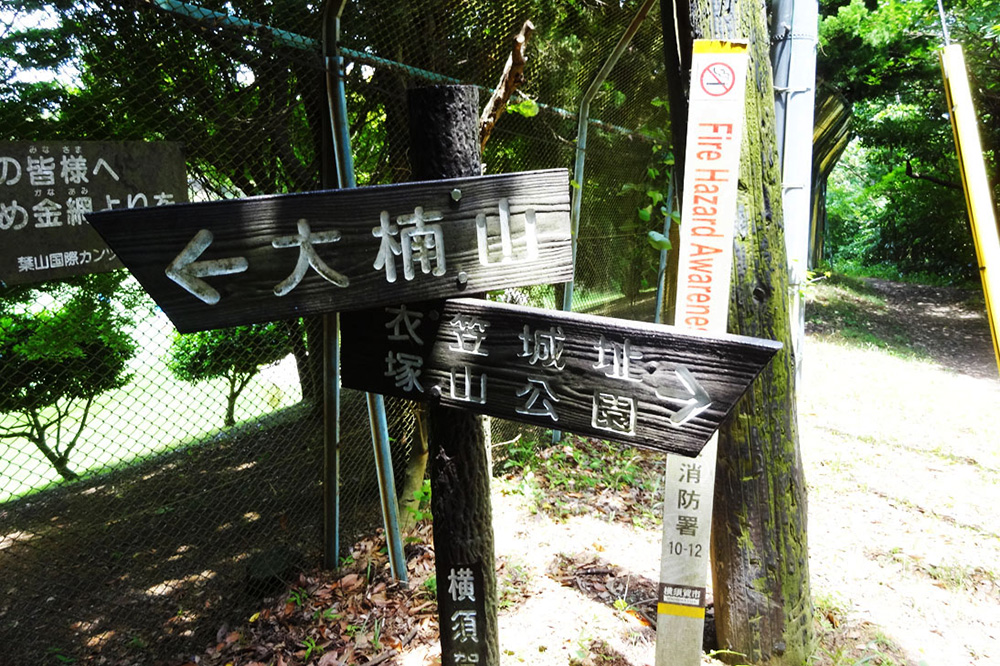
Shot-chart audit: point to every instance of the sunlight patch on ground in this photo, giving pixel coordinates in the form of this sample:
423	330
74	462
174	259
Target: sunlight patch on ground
168	587
902	463
9	539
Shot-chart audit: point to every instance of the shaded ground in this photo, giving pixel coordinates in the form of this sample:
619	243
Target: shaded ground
943	324
149	561
145	560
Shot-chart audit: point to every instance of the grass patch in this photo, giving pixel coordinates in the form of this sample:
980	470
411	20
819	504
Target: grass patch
845	309
579	463
890	272
154	413
846	641
572	477
956	576
133	424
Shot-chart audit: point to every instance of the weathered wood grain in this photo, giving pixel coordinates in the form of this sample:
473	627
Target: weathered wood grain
581	395
148	241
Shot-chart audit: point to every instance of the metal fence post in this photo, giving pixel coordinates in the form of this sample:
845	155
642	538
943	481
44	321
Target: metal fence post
337	100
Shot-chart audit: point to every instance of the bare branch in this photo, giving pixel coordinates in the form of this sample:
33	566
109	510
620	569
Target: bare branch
10	433
79	430
937	181
512	77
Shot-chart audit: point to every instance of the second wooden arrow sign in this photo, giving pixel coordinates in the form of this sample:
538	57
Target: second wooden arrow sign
644	384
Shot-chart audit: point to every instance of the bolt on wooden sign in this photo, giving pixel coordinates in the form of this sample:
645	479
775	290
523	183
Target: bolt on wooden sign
225	263
648	385
48	187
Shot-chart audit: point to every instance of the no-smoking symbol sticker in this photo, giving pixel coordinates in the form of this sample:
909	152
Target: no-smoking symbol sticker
717	79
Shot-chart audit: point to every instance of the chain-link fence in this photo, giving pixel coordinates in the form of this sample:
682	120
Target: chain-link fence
154	487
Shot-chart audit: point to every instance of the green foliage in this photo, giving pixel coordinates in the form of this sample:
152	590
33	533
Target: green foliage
326	615
526	107
577	463
877	215
312	648
895	200
653	216
57	360
299	596
658	241
876	48
236	354
431	586
423	499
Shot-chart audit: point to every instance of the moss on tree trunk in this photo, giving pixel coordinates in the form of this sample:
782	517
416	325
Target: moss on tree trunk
760	558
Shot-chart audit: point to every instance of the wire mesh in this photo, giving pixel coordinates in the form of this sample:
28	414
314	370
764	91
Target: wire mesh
171	506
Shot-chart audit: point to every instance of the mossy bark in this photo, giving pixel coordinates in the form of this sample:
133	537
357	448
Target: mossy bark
760	566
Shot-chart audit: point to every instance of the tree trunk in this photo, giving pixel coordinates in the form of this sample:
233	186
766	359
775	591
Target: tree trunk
61	465
760	567
59	462
230	418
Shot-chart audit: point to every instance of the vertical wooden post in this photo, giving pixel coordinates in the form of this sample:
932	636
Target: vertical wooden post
760	564
444	143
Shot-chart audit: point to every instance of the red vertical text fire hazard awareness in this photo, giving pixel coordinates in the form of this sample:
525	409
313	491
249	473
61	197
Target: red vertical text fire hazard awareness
710	179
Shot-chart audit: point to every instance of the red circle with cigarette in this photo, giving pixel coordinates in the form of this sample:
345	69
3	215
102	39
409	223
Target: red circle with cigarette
717	79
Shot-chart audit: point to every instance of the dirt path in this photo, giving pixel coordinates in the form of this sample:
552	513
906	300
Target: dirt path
903	466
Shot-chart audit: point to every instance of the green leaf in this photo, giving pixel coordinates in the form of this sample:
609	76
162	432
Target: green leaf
658	241
645	213
575	185
526	107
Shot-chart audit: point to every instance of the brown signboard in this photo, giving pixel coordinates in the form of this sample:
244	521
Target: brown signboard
648	385
48	187
224	263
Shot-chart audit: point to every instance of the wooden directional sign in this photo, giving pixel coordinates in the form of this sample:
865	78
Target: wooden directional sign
648	385
224	263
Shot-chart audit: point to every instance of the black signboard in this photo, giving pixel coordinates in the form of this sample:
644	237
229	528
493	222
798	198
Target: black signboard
48	187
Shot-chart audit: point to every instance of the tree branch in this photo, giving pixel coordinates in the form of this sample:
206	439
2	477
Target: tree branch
39	441
937	181
512	77
8	432
79	431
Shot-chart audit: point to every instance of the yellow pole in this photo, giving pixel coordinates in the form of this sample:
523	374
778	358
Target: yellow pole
978	196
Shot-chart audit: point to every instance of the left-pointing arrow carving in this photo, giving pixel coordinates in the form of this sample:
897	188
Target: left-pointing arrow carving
694	405
187	272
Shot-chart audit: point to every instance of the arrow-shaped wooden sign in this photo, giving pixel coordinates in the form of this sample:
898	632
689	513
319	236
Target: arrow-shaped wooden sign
224	263
644	384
